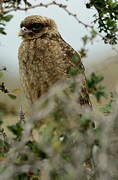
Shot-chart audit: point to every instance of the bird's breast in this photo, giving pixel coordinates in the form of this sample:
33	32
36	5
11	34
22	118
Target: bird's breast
41	64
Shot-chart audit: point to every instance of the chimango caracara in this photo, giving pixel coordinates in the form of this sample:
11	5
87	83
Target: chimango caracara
45	58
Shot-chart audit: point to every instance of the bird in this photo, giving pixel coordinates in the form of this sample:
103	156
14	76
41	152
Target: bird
45	57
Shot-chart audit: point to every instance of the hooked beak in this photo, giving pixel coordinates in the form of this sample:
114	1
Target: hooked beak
24	31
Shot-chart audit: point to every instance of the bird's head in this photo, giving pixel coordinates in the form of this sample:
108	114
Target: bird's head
35	26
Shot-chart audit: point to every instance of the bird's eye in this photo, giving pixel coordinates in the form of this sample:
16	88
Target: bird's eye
36	27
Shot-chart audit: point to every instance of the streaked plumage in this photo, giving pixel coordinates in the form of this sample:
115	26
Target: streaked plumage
45	58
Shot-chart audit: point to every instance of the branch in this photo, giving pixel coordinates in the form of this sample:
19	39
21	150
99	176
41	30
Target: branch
64	7
60	5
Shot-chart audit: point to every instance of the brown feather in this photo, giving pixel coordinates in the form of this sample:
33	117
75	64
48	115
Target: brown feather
45	58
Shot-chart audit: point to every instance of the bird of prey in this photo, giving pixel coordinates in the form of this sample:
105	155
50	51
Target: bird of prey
45	58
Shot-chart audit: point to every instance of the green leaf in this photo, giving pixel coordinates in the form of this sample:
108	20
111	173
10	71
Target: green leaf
72	71
2	31
76	58
83	52
85	39
94	80
16	129
100	92
84	122
93	34
34	147
107	108
12	96
7	18
110	22
94	88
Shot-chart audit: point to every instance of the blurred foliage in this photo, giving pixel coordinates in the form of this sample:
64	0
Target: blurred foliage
94	86
106	17
4	143
108	108
61	134
3	20
4	108
3	88
85	40
16	129
57	143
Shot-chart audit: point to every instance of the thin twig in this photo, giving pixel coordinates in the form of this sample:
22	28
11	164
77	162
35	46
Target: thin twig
22	115
64	7
60	5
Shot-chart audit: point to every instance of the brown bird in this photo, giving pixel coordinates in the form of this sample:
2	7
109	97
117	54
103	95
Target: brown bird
45	58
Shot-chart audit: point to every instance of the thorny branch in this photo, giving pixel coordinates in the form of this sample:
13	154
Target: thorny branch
60	5
47	5
52	3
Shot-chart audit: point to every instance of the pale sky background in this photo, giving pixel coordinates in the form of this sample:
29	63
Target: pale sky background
69	28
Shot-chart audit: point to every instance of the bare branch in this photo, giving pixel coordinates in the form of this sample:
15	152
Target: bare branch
60	5
53	3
